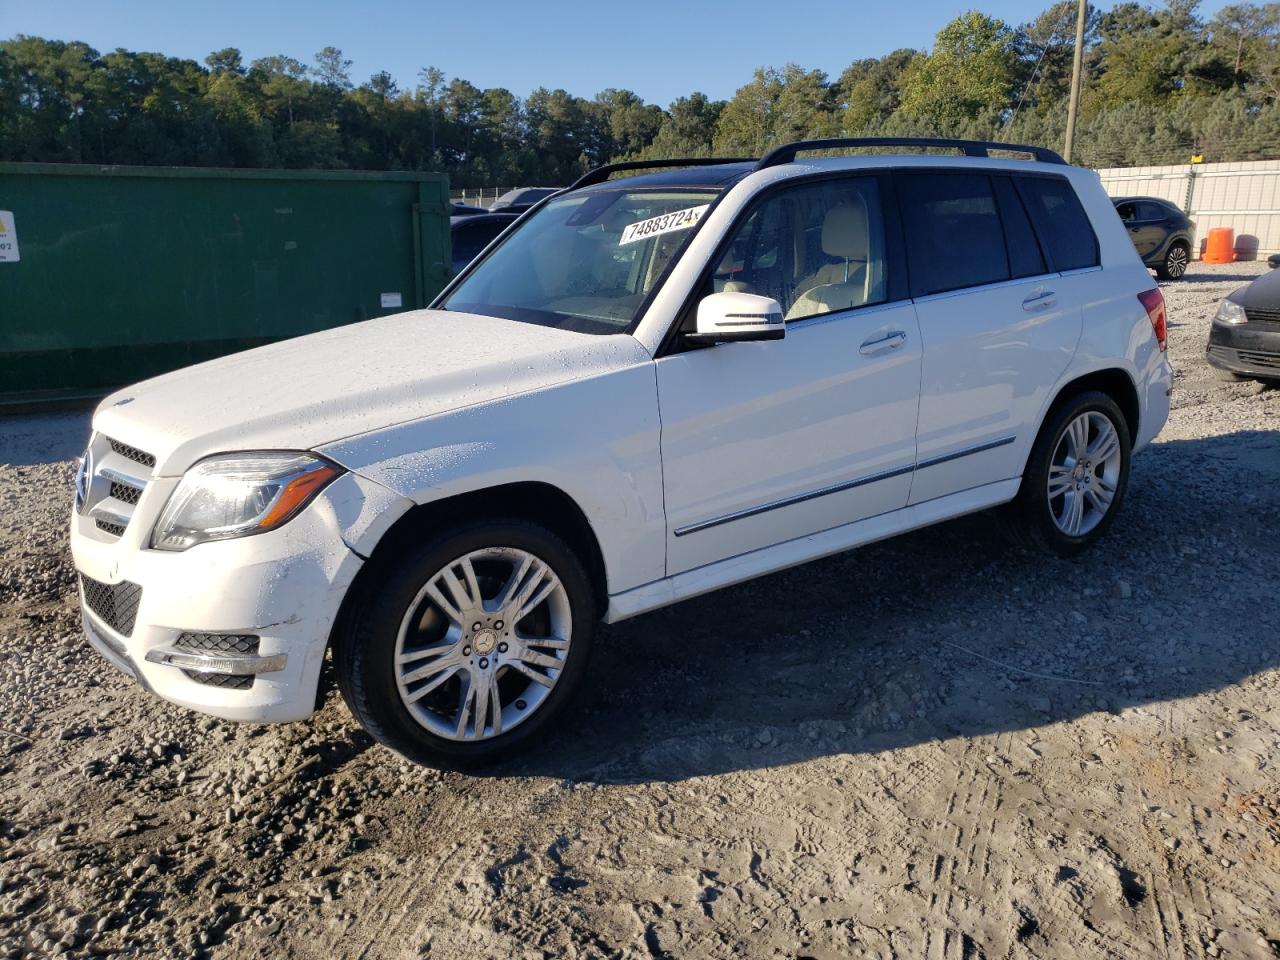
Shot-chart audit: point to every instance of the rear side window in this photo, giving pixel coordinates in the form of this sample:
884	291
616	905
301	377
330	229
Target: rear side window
1061	222
954	235
1151	211
1025	258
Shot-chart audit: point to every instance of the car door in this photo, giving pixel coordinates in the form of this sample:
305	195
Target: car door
997	326
1148	228
766	442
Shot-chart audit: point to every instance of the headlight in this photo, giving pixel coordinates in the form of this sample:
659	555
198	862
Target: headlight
1230	312
238	494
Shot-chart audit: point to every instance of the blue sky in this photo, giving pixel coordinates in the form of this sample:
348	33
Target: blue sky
660	49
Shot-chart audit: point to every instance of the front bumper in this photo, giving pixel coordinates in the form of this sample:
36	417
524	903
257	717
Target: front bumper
1251	349
284	588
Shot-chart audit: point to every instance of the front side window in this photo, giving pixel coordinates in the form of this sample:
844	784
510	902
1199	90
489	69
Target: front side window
815	249
585	262
954	235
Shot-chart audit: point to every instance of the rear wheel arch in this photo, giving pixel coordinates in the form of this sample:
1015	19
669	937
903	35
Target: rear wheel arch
1113	381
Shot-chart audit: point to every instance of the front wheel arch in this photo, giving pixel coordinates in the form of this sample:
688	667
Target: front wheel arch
536	502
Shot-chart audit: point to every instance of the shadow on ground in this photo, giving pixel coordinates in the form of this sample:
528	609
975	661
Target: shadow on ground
946	632
32	439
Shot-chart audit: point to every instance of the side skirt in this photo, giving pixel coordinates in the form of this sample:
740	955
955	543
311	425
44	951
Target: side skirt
790	553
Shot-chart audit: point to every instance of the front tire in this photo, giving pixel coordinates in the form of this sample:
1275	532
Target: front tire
462	650
1075	478
1175	262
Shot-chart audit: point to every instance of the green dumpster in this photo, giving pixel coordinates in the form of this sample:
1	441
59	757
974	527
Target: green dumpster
112	274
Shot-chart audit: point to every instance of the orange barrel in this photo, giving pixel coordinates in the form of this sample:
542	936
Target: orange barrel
1221	246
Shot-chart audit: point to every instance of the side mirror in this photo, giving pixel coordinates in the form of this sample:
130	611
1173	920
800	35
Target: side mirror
1274	261
738	317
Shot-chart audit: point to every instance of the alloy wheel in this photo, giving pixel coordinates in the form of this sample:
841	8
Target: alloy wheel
1084	474
1175	262
483	643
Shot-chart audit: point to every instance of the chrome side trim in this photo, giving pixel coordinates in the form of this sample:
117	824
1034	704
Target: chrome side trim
983	287
791	501
840	487
967	451
228	664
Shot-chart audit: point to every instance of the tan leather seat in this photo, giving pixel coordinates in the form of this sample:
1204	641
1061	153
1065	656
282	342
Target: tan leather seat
837	286
731	286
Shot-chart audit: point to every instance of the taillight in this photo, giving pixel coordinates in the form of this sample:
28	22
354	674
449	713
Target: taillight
1153	303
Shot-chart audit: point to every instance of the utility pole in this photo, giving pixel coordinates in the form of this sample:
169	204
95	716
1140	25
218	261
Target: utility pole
1077	68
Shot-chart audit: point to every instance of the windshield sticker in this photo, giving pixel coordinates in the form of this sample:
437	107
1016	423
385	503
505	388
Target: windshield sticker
676	220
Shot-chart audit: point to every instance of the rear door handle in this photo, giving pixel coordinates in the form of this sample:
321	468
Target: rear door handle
890	341
1041	301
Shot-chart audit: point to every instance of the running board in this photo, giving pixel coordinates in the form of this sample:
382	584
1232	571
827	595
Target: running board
790	553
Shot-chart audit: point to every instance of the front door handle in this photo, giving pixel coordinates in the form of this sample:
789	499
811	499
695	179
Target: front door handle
890	341
1041	301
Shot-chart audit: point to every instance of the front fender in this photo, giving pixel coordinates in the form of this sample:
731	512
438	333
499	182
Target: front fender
596	439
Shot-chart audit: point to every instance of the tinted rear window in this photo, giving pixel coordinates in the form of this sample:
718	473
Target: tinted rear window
1061	221
1025	258
954	235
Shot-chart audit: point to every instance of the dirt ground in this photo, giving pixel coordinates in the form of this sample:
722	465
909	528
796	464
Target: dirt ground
936	747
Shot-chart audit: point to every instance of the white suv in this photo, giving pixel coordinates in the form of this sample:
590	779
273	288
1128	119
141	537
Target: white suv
645	389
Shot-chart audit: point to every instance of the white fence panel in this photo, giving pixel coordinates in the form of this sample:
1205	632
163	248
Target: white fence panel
1243	196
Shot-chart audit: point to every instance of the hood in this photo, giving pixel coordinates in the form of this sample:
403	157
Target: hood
299	394
1262	294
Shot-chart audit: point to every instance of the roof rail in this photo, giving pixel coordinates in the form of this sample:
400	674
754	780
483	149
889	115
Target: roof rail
970	148
602	173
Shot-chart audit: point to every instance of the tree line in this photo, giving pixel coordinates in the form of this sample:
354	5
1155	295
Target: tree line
1162	83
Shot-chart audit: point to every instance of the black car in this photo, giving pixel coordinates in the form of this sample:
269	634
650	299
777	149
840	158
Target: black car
1161	233
1244	340
521	199
471	233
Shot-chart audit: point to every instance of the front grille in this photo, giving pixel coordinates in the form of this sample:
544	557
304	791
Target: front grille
115	604
227	682
132	453
124	492
1262	314
1269	360
218	643
114	483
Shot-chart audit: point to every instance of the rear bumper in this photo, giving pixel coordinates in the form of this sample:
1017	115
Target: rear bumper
1249	349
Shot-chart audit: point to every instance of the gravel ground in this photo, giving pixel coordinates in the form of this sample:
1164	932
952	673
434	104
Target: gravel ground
936	747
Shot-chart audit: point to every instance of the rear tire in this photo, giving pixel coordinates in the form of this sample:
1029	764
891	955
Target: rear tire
1075	478
1175	262
461	650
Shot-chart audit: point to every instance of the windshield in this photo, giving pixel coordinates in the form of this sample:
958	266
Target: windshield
584	262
